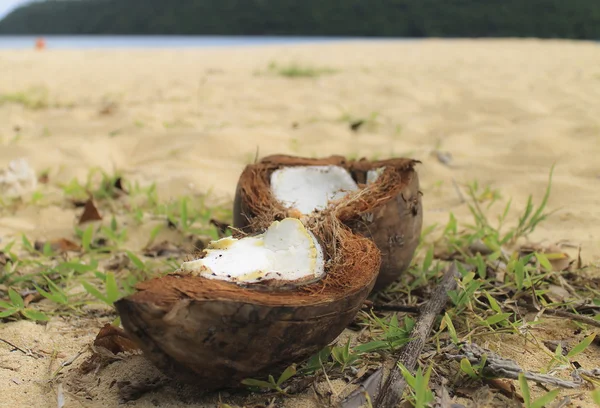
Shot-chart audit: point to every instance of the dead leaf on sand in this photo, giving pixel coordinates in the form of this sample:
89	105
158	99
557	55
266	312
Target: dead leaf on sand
3	259
366	391
119	185
57	245
90	212
115	340
507	388
110	345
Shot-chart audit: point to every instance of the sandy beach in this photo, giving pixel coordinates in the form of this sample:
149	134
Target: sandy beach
505	111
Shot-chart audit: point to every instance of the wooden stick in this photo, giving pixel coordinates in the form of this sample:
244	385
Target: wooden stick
393	389
15	347
567	315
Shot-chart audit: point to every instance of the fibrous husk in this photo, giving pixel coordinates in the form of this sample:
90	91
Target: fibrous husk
388	211
215	333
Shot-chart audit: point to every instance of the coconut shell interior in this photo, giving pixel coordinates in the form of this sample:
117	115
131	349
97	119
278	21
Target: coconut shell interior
215	333
388	211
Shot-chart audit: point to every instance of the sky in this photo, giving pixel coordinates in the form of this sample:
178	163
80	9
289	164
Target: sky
6	6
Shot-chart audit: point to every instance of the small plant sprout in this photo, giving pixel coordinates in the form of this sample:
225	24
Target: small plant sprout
271	384
474	372
343	355
418	384
111	288
17	306
393	335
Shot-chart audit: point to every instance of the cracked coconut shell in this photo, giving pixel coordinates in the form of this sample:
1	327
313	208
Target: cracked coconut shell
387	210
215	333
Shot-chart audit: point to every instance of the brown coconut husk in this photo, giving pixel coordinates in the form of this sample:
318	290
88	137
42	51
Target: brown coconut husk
215	333
388	211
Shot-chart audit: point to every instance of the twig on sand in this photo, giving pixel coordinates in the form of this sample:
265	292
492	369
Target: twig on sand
458	192
390	394
500	367
15	347
571	316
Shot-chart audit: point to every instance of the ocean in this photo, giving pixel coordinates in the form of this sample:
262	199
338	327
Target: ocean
160	41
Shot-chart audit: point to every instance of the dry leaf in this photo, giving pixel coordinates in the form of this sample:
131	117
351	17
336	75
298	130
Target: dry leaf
58	245
119	185
44	178
115	340
32	298
505	387
354	126
370	387
108	108
90	212
3	259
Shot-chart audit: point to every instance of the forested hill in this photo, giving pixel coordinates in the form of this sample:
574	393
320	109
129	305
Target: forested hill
391	18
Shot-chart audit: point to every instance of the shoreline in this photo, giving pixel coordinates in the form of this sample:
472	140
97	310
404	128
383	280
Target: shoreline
198	42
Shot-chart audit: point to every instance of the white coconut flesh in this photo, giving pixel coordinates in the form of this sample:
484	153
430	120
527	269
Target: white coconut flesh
286	251
311	188
373	175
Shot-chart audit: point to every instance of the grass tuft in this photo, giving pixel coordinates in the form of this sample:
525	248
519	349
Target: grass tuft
296	70
33	98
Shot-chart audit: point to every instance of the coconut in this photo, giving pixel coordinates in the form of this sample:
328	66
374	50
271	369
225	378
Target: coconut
252	305
378	199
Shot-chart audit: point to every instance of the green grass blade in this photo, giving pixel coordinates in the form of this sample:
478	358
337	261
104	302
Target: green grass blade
35	315
112	289
581	346
8	312
545	399
95	292
287	374
525	390
16	299
257	383
86	239
136	261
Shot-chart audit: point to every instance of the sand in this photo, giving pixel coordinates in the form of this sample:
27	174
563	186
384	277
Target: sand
189	120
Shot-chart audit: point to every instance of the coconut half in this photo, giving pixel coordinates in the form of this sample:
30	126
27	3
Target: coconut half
216	330
378	199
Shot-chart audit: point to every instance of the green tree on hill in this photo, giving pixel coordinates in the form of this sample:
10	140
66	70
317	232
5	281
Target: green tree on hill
393	18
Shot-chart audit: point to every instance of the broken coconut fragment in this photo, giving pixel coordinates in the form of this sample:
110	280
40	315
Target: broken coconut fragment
215	332
378	199
287	251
